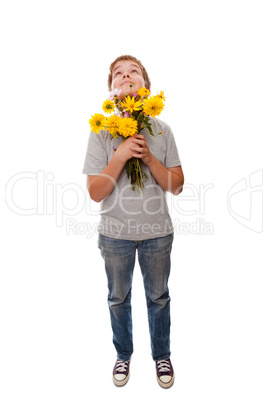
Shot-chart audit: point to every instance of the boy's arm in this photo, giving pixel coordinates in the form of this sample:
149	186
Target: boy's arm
100	186
170	179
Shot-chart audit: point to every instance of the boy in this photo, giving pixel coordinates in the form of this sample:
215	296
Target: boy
132	221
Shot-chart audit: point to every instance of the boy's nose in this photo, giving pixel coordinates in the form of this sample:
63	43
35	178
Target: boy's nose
125	75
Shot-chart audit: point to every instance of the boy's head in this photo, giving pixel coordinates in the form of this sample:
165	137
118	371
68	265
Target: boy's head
127	70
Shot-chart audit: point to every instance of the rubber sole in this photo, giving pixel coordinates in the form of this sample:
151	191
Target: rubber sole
122	382
166	384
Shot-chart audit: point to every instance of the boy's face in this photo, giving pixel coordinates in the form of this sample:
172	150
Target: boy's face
124	73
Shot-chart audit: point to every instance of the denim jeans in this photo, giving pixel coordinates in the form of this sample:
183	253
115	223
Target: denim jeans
154	261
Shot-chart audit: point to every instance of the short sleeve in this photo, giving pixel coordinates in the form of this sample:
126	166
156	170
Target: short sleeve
96	156
172	158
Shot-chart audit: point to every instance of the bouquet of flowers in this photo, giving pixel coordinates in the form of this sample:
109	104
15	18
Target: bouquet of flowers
129	116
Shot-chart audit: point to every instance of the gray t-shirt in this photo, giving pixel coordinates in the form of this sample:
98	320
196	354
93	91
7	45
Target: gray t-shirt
127	214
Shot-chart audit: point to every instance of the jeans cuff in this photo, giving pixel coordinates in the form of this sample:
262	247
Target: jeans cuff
124	358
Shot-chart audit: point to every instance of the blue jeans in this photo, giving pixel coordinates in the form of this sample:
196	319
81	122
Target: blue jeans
154	260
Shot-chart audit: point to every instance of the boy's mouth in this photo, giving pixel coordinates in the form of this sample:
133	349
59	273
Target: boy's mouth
126	82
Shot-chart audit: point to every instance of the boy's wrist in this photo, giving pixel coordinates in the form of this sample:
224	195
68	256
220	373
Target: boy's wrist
151	161
119	158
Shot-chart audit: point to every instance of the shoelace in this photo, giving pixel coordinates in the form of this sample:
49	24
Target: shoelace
121	366
163	366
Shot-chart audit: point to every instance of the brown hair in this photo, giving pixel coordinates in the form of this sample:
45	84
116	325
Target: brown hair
132	58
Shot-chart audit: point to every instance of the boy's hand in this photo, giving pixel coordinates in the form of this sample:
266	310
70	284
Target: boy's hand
123	152
140	149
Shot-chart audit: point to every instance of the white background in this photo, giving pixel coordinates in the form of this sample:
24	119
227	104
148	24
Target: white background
210	59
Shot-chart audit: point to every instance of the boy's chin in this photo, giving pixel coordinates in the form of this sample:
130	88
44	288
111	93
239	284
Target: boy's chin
125	93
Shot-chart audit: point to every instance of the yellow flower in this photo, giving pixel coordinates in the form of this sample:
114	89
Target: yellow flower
130	104
113	125
161	95
97	122
143	92
108	106
153	106
128	127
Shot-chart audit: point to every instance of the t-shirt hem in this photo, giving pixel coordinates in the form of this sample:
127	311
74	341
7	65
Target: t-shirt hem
136	238
91	173
173	164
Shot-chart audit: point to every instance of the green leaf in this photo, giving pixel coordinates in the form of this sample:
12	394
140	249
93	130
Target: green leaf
148	125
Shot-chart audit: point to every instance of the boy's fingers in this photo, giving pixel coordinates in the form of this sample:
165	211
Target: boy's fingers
138	141
136	149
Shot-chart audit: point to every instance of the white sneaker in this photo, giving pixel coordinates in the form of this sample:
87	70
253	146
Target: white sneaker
165	373
121	372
